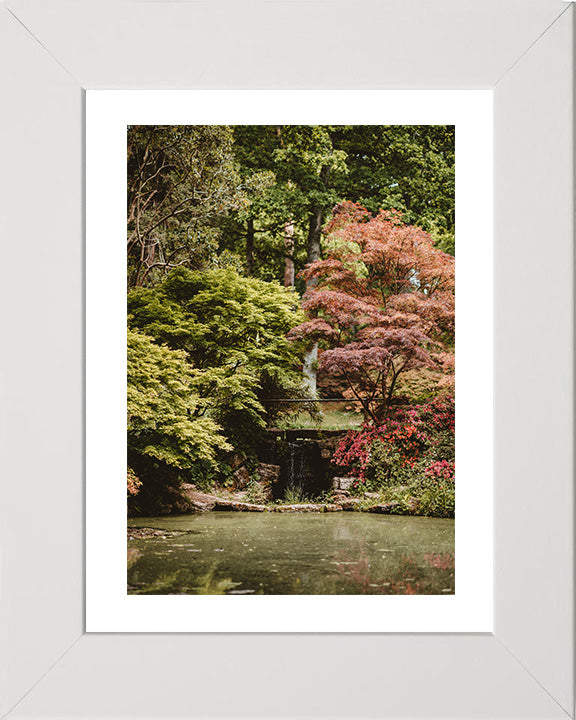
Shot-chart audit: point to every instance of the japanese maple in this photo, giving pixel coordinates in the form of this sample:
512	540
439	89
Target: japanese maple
380	302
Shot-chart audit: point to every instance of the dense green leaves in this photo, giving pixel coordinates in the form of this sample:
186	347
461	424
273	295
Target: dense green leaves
163	410
409	168
232	331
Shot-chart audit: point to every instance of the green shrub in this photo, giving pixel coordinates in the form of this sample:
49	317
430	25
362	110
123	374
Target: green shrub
167	426
435	497
255	493
231	332
296	496
386	467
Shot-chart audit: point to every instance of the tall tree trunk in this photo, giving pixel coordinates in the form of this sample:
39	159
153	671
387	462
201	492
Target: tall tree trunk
249	247
289	254
309	369
314	234
147	259
314	249
288	235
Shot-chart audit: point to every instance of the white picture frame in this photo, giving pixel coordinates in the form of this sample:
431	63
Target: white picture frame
54	50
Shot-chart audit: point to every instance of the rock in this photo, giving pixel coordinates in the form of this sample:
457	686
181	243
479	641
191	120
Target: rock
413	504
198	501
203	505
383	508
343	483
237	460
182	506
203	502
236	505
333	508
350	504
241	478
328	446
303	507
136	533
268	473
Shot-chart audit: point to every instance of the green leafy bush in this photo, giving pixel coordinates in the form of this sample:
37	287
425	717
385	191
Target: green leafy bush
296	496
255	493
165	420
232	333
387	467
169	437
435	498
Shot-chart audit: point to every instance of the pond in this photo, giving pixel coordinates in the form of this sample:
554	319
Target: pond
231	553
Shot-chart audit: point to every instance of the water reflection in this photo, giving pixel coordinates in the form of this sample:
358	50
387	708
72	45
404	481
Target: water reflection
284	554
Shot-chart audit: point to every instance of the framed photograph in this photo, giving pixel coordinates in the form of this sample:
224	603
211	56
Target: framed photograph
76	641
306	572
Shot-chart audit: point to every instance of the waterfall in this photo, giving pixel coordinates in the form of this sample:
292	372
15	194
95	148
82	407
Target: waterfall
302	469
295	466
303	458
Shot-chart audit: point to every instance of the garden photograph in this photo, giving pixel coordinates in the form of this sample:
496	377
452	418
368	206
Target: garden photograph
291	359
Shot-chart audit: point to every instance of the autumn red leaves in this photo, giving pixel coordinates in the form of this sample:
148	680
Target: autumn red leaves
381	303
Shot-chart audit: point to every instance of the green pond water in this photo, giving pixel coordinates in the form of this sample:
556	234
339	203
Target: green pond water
231	553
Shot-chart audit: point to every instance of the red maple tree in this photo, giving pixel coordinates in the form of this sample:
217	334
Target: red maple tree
381	302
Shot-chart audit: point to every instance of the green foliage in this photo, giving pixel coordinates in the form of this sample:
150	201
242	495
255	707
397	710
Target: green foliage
444	240
231	331
163	421
409	168
181	179
255	493
296	496
288	172
435	497
387	467
419	386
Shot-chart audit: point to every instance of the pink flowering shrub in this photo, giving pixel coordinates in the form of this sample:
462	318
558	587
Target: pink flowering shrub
421	434
413	447
440	470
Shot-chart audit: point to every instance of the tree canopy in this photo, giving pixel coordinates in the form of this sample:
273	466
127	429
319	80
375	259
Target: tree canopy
231	331
165	422
407	168
180	180
256	196
383	304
